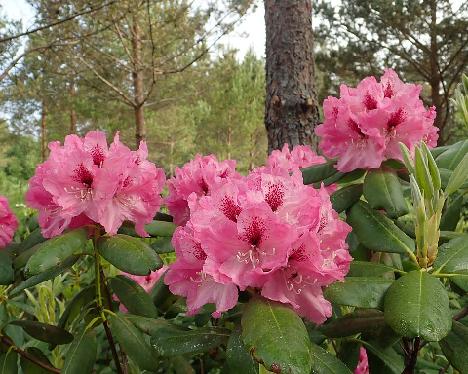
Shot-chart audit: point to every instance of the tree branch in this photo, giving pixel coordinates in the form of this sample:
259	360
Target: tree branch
28	356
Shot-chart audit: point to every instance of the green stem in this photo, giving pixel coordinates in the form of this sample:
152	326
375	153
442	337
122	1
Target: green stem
105	323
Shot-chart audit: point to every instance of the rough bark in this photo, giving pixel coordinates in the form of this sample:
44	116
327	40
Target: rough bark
137	76
73	117
291	110
44	131
435	81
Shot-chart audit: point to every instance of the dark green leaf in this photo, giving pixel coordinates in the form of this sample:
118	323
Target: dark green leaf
160	228
33	239
81	354
47	275
345	197
162	245
133	296
133	343
149	326
77	305
353	323
377	232
324	362
451	216
8	362
131	255
238	359
453	259
170	340
318	173
7	274
276	337
55	251
44	332
452	156
455	347
382	190
417	304
391	360
370	269
361	292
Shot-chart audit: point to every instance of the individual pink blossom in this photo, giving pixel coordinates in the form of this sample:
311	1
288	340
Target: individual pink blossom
198	176
8	223
268	232
147	282
363	363
301	156
86	182
186	277
363	127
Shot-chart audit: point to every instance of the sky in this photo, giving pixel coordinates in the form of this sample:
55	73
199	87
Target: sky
250	34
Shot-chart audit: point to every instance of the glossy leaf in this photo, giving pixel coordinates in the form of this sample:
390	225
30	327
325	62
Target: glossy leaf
160	228
370	269
353	323
417	304
452	213
170	340
391	360
133	296
345	197
324	362
149	326
129	254
55	251
81	354
47	275
162	245
7	274
44	332
376	231
238	359
80	302
453	155
33	239
361	292
318	173
455	347
382	190
133	343
276	336
453	259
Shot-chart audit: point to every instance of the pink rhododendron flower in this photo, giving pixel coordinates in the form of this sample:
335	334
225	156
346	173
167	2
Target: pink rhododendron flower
363	364
267	231
301	156
8	223
198	176
363	127
85	181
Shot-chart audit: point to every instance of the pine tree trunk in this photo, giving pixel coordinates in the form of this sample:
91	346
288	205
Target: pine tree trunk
137	76
291	110
44	131
73	119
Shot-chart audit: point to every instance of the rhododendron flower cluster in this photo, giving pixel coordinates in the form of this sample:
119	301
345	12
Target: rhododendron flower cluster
8	223
363	363
198	176
301	156
363	127
267	232
86	181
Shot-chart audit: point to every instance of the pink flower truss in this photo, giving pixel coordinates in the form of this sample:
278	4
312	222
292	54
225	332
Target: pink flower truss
8	223
85	181
301	156
363	127
363	364
268	232
198	176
